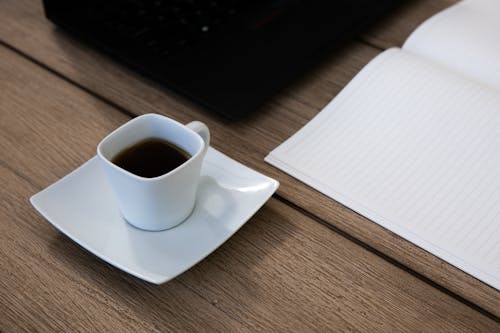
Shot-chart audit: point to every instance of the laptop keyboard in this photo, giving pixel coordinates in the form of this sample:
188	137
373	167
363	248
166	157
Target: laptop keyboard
165	26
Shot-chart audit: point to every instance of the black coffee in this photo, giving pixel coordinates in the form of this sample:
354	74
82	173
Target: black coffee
151	157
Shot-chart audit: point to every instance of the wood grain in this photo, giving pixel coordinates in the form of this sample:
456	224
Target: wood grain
49	284
394	30
25	29
281	272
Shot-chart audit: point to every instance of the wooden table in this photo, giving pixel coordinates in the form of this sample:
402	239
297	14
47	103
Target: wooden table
302	263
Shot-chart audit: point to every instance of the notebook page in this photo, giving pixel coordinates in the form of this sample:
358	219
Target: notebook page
416	149
465	38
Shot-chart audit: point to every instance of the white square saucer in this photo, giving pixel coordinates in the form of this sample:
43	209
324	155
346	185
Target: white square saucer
82	206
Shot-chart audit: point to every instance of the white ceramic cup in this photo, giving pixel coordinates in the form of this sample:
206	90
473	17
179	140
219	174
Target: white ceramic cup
161	202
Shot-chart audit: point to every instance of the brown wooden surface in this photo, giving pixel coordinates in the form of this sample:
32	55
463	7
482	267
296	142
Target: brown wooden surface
282	270
394	30
25	29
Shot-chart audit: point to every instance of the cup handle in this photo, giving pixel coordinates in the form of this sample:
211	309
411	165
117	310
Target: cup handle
202	130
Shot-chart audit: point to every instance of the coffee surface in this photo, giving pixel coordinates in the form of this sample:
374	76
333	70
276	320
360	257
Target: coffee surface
151	157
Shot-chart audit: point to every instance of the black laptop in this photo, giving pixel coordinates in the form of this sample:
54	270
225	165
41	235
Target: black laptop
227	55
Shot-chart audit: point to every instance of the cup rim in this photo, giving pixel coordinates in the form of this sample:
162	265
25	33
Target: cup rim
147	179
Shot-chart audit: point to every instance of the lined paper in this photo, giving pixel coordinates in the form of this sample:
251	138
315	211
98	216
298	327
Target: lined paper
415	148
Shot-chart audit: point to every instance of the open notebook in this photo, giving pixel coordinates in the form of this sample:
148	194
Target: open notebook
413	141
